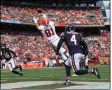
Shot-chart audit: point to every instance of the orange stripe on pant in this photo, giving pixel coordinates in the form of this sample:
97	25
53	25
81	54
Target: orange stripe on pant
73	64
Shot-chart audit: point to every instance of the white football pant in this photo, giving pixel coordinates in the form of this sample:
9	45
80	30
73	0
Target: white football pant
86	60
74	60
11	64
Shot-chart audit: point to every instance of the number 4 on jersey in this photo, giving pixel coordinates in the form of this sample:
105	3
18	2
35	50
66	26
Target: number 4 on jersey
73	39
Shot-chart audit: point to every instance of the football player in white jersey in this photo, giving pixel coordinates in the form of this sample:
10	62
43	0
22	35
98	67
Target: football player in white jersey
47	28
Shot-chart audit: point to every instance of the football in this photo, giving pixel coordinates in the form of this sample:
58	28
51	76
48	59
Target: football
39	10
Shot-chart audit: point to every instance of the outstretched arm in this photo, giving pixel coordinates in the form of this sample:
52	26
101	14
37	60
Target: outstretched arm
36	22
59	44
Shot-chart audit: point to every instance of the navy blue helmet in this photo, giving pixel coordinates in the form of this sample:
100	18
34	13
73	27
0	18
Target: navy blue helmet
3	46
70	27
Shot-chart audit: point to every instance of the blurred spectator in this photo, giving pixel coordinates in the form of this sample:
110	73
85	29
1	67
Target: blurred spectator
59	16
27	45
99	45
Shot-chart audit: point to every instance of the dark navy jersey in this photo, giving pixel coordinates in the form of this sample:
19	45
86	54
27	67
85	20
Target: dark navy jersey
73	41
8	54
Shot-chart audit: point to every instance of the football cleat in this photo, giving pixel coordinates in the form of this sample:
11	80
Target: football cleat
67	83
21	74
96	72
74	74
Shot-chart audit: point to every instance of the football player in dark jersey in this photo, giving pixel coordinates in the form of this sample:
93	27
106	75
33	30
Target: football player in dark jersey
10	56
74	43
84	61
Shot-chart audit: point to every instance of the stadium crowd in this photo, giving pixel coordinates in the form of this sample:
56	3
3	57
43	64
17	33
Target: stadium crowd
99	46
25	45
32	45
36	46
84	16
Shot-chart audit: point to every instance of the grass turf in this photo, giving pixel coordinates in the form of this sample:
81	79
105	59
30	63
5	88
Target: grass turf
53	74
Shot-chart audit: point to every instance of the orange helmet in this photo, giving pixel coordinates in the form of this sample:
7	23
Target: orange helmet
44	21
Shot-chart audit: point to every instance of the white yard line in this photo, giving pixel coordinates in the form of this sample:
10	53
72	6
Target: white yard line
25	84
89	85
3	80
85	85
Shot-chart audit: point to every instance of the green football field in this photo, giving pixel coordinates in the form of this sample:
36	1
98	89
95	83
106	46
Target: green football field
53	74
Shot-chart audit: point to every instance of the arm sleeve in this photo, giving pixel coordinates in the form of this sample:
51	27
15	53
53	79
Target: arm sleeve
85	47
59	44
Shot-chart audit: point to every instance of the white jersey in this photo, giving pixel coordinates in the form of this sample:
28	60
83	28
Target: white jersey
49	31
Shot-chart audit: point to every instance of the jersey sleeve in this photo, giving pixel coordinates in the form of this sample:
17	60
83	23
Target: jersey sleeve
41	27
52	23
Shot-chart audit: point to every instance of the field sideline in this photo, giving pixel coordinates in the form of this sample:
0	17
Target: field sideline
53	76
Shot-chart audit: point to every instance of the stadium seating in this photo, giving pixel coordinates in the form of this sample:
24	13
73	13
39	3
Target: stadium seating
99	48
59	16
28	45
35	46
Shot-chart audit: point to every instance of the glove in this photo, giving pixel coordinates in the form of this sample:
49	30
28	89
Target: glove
35	19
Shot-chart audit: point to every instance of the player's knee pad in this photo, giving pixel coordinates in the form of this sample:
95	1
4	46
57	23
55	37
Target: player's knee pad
68	68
